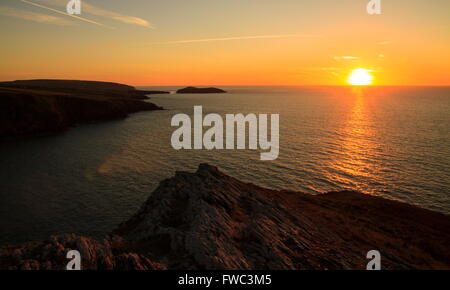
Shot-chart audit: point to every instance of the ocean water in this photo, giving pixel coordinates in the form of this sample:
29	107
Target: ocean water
388	141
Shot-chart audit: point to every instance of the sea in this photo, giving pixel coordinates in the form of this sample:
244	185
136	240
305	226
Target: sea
385	141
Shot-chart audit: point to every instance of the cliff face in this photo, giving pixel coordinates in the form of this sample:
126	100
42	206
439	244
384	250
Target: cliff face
29	108
209	220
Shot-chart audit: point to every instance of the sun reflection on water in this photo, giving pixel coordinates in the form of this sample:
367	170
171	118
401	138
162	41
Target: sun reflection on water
357	152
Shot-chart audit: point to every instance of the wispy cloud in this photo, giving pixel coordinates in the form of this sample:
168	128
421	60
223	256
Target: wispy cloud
64	13
33	16
97	11
346	57
238	38
88	8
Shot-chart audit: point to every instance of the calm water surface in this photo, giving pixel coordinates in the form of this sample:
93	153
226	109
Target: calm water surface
392	142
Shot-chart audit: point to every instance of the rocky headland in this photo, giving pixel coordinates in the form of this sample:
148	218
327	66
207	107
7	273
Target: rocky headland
40	107
209	220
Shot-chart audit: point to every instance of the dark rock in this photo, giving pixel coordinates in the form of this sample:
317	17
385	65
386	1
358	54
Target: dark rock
107	254
209	220
194	90
30	108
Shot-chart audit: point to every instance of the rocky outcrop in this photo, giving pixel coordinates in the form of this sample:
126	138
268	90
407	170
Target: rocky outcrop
108	254
194	90
209	220
30	108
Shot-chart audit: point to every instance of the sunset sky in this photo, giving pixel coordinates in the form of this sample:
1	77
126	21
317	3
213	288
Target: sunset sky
226	42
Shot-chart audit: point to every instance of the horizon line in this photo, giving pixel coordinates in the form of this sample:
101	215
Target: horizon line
300	85
229	85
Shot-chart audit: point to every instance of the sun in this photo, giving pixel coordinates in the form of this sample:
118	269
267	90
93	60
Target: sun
360	77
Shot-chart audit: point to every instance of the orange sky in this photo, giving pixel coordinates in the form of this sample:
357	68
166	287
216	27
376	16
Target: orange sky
227	42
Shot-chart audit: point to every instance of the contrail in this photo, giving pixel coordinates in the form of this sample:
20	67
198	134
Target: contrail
239	38
64	13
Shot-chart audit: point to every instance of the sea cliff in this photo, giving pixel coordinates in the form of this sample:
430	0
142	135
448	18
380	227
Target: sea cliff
38	107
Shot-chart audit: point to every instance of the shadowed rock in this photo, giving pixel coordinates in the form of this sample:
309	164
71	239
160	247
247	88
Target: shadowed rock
107	254
209	220
194	90
38	107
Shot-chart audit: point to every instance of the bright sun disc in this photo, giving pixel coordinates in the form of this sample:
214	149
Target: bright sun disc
360	77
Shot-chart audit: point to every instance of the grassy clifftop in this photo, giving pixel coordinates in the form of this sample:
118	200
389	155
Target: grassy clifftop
72	87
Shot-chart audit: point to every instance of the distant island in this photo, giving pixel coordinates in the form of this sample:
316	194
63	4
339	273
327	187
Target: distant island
39	107
194	90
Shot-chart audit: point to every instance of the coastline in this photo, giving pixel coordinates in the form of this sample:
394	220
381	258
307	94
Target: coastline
209	220
43	107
